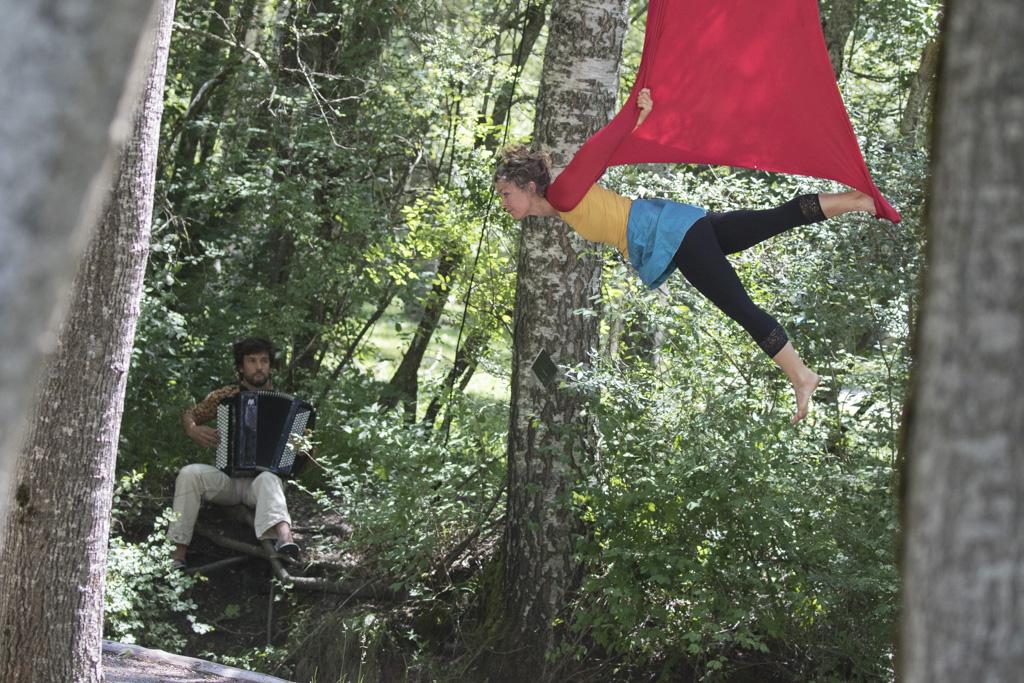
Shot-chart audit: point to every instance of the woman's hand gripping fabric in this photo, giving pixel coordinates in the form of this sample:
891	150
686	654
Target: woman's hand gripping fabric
645	104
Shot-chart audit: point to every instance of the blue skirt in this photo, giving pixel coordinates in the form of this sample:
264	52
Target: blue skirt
655	230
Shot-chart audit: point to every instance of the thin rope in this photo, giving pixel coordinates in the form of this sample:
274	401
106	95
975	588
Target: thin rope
487	219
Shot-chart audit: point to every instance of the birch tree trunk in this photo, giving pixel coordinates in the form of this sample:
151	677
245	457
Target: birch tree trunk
63	69
963	558
550	433
52	567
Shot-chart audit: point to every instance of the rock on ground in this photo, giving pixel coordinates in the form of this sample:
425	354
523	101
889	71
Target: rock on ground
133	664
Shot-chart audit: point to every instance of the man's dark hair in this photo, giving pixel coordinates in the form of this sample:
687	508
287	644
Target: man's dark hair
249	345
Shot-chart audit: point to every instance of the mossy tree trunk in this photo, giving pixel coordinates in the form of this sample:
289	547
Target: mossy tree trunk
963	558
53	564
65	67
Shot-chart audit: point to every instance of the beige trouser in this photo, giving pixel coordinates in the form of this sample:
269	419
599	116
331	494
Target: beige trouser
199	483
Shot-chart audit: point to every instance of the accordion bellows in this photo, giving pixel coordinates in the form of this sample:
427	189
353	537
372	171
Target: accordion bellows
258	432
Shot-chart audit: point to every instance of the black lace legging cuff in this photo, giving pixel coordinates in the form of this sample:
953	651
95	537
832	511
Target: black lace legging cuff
774	342
810	207
701	258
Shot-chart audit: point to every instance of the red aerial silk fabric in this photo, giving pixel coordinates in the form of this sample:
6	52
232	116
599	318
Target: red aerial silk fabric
735	82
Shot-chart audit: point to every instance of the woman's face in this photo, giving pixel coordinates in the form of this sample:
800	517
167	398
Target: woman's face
514	199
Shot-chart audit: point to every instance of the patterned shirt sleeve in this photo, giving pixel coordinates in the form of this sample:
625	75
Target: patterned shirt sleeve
206	410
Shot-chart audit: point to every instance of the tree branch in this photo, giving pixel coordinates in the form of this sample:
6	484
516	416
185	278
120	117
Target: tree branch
234	44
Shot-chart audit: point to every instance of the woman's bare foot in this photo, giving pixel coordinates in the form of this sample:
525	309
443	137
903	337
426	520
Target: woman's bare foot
864	202
835	204
804	386
803	379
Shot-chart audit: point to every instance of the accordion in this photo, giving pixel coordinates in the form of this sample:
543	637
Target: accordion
259	432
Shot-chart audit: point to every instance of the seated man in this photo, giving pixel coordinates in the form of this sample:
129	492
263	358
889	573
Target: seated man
199	483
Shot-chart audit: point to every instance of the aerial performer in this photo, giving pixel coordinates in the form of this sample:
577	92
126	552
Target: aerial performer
741	84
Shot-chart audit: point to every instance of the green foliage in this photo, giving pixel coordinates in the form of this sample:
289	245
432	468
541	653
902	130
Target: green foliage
144	596
269	659
304	190
720	539
145	599
410	497
718	536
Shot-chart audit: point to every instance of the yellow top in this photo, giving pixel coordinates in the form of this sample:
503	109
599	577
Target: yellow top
601	216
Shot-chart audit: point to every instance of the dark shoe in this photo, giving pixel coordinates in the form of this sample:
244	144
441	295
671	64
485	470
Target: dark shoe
178	565
289	549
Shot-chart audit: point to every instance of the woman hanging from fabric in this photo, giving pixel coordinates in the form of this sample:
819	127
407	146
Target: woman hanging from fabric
657	236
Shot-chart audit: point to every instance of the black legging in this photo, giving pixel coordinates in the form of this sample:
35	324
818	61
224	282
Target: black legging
701	259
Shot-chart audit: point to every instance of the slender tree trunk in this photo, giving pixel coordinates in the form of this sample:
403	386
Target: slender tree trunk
550	433
842	17
920	92
461	389
533	22
218	99
63	70
52	567
641	340
466	359
963	558
383	301
347	51
210	73
616	330
404	384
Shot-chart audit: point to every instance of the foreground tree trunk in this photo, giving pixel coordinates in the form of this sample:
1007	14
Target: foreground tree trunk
63	69
550	433
52	567
963	599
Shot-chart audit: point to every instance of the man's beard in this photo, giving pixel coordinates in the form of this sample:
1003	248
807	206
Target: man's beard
253	382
